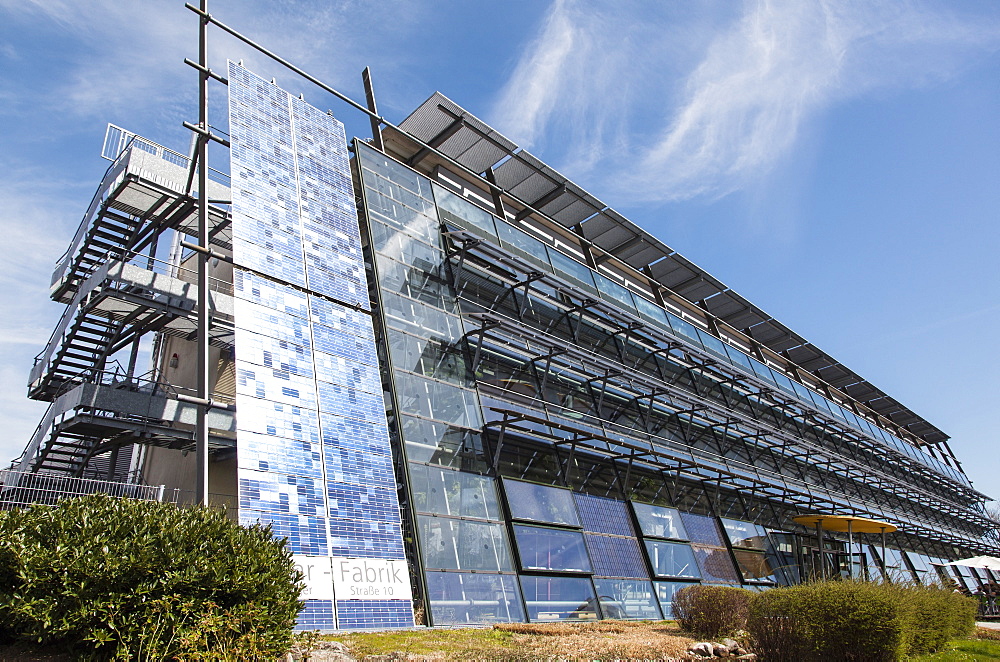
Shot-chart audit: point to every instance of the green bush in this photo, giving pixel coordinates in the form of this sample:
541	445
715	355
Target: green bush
937	614
712	611
109	578
854	620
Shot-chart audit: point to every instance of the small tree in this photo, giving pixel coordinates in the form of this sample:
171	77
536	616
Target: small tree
126	579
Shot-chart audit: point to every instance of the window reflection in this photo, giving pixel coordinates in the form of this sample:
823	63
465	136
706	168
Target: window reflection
715	564
455	493
551	549
559	598
670	559
460	598
754	566
540	503
626	599
567	267
466	211
745	534
451	544
440	443
659	522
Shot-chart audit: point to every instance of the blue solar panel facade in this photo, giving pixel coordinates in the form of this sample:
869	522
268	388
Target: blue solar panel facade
314	457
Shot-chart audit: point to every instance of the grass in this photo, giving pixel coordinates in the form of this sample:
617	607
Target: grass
472	643
603	640
965	651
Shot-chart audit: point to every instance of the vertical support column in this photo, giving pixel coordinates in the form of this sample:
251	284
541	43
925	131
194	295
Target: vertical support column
885	566
366	77
850	548
822	550
201	432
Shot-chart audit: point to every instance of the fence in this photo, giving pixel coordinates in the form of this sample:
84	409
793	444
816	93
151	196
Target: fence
19	489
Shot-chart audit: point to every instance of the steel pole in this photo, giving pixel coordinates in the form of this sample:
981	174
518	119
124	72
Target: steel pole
201	434
885	566
850	548
822	556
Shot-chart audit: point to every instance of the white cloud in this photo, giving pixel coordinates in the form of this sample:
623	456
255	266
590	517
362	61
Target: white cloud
127	57
531	94
730	104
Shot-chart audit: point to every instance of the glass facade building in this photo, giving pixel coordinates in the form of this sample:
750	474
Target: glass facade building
467	391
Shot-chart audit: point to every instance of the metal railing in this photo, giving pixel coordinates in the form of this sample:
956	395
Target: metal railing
20	489
157	266
117	140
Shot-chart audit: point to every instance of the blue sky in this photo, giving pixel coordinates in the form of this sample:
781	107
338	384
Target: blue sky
837	163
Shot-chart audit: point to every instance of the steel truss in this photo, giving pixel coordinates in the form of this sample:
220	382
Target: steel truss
772	426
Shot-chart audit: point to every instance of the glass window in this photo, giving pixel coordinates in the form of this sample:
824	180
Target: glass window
440	443
437	400
603	515
822	402
426	285
626	598
430	357
671	559
568	267
559	598
416	222
803	393
612	291
762	371
745	534
540	503
400	246
458	598
511	237
659	522
473	217
551	549
754	566
712	343
651	312
739	358
452	544
685	329
614	556
665	592
715	565
455	493
386	167
783	382
781	552
702	529
420	319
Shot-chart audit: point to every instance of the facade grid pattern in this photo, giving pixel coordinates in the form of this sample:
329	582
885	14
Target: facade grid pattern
301	306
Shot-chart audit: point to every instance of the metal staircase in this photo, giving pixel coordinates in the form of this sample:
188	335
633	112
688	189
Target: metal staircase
116	295
78	352
106	239
113	411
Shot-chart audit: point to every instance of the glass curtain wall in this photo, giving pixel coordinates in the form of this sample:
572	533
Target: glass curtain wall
469	573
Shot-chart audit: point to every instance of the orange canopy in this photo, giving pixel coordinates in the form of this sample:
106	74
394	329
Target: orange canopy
839	523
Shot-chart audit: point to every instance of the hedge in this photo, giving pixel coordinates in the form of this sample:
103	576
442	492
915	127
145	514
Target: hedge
712	611
107	578
855	621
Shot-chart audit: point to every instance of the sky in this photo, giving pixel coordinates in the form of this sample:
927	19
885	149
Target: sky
836	162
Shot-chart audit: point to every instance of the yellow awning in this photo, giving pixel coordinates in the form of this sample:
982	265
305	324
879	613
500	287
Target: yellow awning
839	523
